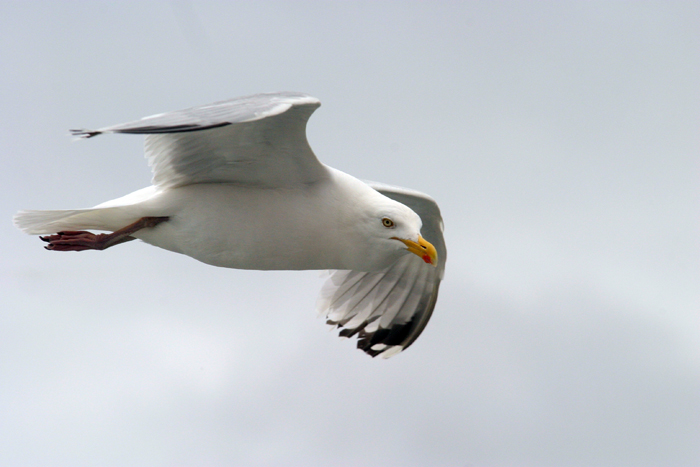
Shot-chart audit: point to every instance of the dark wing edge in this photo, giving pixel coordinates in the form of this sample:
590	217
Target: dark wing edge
409	331
386	310
215	115
146	130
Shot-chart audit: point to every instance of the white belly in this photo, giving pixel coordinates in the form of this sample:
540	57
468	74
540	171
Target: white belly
245	228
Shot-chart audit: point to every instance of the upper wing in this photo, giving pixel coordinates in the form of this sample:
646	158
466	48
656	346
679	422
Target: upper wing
389	309
255	140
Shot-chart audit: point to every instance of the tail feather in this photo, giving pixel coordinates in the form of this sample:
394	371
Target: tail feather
47	222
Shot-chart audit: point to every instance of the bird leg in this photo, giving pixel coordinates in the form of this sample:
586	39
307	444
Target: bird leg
82	240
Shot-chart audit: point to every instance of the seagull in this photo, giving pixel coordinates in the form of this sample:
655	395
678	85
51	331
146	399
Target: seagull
236	184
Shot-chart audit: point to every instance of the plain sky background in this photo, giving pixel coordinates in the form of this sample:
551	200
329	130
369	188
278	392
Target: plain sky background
560	140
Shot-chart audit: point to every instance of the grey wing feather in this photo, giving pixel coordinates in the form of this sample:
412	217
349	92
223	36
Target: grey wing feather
388	310
217	114
259	139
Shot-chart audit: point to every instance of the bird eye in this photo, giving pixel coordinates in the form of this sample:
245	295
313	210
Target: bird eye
388	223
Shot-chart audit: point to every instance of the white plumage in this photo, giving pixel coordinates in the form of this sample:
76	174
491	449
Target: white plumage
235	184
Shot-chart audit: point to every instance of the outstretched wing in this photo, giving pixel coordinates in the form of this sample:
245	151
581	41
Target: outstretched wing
255	140
389	309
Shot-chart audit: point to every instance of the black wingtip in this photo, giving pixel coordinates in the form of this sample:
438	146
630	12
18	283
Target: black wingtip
84	134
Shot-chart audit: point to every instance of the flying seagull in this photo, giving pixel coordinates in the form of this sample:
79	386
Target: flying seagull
235	184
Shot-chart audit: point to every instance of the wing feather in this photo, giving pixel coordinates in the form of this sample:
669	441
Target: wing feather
254	140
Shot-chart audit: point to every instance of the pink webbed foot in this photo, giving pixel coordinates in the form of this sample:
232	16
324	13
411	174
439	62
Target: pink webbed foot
78	241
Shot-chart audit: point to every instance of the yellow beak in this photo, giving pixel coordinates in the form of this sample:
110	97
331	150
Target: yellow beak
423	249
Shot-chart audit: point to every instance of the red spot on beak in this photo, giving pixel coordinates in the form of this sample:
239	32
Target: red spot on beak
427	259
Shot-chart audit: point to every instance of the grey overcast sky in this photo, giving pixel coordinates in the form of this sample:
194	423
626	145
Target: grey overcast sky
560	140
